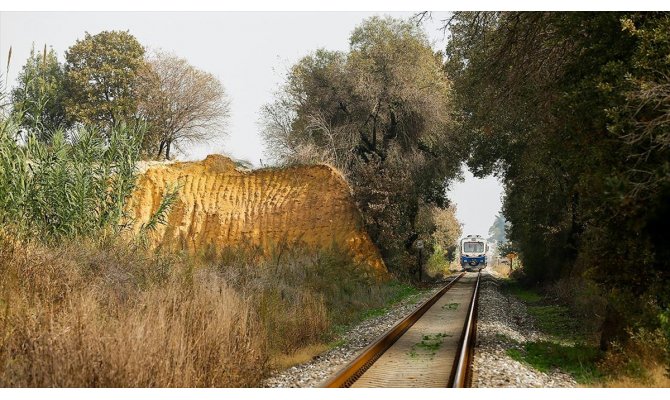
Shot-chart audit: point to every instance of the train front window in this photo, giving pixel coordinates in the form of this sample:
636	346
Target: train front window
473	247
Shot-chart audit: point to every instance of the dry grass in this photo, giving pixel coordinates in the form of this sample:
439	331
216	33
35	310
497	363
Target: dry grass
85	316
501	269
111	314
302	355
641	362
300	296
655	377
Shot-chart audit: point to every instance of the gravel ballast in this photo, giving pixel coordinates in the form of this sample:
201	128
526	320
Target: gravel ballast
315	372
500	316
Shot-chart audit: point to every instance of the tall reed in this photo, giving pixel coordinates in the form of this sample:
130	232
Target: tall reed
74	186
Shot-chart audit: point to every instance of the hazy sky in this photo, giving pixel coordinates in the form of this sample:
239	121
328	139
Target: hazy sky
248	51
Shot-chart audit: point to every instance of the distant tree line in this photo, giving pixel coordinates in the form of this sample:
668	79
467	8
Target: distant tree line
108	79
572	112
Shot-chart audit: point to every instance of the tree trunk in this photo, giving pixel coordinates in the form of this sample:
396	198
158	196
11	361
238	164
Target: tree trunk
160	149
612	329
167	149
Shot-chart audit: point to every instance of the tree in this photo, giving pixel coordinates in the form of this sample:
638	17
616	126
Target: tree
379	112
181	103
497	230
101	78
447	231
38	99
571	110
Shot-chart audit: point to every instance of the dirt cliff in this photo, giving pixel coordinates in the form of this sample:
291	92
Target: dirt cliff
219	206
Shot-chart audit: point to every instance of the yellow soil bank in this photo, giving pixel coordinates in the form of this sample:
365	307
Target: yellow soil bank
219	206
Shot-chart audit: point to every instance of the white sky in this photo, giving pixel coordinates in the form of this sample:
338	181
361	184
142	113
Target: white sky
248	51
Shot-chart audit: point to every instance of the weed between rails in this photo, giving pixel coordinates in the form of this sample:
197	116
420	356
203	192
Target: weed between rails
428	346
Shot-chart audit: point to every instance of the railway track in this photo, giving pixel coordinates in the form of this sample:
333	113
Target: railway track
432	347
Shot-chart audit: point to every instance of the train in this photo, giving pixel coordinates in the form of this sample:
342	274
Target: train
473	250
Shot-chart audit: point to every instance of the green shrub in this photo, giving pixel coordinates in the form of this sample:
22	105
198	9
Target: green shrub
69	187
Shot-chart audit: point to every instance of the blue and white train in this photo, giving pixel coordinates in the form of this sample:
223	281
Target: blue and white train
473	251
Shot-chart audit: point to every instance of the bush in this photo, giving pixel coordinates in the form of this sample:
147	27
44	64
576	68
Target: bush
437	265
301	296
640	361
67	188
111	314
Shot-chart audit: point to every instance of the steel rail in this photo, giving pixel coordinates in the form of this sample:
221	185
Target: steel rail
462	372
352	371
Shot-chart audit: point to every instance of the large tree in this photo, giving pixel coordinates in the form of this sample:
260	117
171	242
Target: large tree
181	104
572	111
381	113
38	98
101	76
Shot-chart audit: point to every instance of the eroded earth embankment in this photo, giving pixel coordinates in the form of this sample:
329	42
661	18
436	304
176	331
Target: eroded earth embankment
219	206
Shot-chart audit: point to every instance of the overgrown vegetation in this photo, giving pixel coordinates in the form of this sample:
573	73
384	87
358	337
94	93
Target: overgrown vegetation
569	345
571	342
93	313
571	111
304	298
381	113
86	305
577	360
65	188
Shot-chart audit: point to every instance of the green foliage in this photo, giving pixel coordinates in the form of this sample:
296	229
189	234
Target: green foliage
428	346
65	188
551	318
526	295
566	346
555	320
507	248
437	264
571	110
380	113
160	216
101	77
38	99
664	318
398	291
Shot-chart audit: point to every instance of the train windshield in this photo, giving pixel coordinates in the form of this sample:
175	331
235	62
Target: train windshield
473	247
